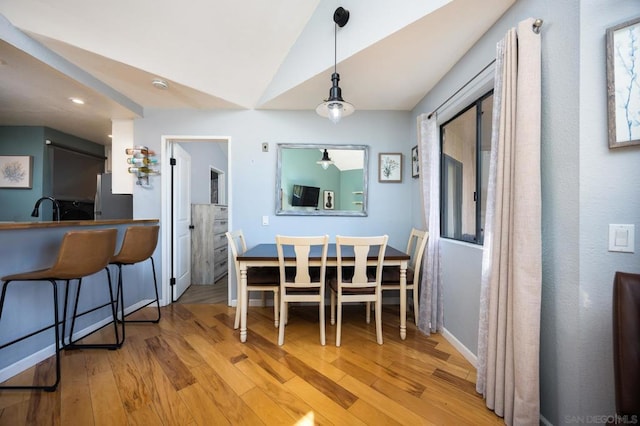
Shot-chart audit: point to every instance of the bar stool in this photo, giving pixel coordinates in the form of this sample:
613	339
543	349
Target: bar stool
81	253
138	245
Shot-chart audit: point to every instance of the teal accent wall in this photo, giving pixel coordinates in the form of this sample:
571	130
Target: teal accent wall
351	181
16	204
302	170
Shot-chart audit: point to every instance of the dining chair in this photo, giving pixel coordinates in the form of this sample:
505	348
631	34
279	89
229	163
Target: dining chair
391	275
626	344
354	281
258	279
138	245
300	281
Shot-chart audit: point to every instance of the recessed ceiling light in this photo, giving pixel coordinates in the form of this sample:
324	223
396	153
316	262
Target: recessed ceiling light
77	101
159	83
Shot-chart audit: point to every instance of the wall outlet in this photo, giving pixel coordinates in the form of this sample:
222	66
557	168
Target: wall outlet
265	146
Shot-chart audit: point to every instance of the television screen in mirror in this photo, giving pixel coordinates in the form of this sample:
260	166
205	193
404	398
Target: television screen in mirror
322	180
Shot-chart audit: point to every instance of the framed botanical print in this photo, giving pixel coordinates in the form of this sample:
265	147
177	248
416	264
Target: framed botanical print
329	200
623	88
15	171
390	167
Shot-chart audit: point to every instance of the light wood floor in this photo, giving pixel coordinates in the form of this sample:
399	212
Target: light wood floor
216	293
191	369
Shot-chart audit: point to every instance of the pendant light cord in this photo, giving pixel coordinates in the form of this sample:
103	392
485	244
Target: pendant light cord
335	48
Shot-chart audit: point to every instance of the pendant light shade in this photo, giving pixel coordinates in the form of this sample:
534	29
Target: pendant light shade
334	108
325	162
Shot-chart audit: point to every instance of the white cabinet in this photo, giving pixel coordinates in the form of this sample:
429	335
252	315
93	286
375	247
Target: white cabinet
208	243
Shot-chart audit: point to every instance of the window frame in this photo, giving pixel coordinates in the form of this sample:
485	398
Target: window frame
479	226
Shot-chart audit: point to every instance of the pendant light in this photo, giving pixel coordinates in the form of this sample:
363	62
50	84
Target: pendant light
335	107
325	162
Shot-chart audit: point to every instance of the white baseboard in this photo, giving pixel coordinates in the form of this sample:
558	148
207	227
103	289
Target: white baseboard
26	363
31	360
466	353
139	305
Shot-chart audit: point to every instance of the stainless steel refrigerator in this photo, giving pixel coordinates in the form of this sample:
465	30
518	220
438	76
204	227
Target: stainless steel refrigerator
108	205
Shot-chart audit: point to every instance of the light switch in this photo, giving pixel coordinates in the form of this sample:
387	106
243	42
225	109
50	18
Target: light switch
265	220
621	238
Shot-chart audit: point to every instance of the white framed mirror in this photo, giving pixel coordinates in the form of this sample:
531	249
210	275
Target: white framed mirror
307	186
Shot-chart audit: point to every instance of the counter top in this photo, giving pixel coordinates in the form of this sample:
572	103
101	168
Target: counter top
71	223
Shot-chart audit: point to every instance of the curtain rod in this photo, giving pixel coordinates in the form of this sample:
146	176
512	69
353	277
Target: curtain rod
535	27
76	150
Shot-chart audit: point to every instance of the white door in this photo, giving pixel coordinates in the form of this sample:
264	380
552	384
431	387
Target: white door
181	219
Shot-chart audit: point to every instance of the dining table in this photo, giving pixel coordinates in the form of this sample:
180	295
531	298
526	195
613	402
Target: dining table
266	255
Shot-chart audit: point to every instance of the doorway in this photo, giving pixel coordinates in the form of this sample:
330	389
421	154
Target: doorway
218	186
173	253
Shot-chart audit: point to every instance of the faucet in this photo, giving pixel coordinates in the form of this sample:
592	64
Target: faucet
56	208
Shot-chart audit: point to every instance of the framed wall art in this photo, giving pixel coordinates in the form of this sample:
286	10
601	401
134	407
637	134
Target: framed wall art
390	167
415	162
329	200
16	171
623	83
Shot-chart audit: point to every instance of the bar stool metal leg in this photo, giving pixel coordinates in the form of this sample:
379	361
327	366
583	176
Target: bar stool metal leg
138	245
120	301
51	387
112	303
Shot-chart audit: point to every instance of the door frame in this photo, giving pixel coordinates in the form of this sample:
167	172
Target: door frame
165	202
222	185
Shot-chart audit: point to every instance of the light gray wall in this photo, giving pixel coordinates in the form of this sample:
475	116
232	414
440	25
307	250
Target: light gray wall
585	186
252	173
609	193
205	155
459	266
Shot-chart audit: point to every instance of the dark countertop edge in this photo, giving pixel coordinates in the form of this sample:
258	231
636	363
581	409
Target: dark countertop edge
72	223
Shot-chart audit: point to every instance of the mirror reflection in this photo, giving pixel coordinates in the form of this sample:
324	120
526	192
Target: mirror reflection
322	180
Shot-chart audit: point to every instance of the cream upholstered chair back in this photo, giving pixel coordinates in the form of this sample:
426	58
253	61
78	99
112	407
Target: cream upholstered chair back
301	251
415	248
258	279
354	282
237	244
302	280
391	276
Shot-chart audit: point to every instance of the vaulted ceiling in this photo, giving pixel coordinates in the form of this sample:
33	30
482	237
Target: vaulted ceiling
213	54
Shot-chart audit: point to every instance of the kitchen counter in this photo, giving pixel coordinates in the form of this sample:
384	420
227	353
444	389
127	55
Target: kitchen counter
73	223
29	246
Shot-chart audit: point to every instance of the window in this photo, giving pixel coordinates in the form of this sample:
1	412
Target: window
466	148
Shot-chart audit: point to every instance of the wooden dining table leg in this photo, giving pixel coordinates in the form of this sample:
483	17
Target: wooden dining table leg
403	300
242	298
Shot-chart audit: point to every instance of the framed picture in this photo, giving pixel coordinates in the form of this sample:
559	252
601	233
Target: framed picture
415	162
390	167
623	90
329	200
15	171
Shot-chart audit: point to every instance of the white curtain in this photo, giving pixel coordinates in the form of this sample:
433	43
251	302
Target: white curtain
509	330
430	318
